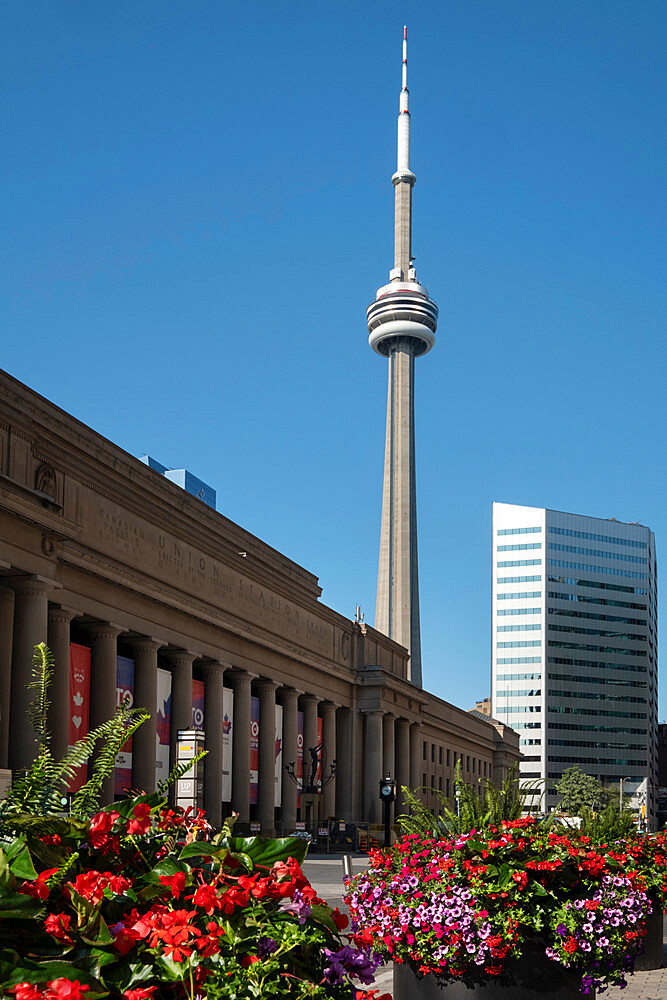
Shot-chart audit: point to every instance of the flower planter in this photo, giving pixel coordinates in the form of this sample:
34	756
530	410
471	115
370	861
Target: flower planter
554	981
651	958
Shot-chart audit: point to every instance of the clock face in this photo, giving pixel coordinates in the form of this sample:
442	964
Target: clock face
386	790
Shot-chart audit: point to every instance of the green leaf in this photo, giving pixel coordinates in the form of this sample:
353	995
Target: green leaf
200	849
20	861
538	889
322	914
266	850
14	906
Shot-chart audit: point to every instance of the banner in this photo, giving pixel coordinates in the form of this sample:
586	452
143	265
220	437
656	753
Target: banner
163	718
299	757
79	705
279	755
197	704
227	742
124	697
254	750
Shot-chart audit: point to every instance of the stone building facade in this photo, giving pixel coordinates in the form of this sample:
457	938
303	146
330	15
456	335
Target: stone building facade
99	552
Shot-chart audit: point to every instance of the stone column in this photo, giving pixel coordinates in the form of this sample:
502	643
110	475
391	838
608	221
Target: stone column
416	769
373	766
144	743
329	742
103	666
290	735
344	777
31	604
309	703
6	643
241	749
181	693
402	762
59	639
214	676
357	726
388	753
266	796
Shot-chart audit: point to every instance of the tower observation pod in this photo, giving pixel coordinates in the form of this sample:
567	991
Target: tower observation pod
401	325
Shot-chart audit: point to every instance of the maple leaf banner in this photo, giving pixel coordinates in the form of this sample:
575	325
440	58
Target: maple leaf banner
279	754
124	698
79	704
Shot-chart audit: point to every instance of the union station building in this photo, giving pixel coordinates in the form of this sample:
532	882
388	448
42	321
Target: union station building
147	596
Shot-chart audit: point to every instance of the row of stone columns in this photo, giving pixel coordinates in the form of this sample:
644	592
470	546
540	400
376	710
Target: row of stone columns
391	747
26	619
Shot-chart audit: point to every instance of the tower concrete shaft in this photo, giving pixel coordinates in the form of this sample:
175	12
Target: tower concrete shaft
401	323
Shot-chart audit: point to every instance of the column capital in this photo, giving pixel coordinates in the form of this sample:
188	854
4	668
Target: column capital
373	711
328	706
288	694
60	614
101	630
266	686
33	584
238	676
212	668
178	656
310	699
402	723
145	644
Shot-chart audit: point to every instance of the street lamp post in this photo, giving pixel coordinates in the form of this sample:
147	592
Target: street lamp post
620	792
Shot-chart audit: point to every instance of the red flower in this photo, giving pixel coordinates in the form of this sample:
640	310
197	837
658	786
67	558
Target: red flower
209	944
67	989
341	920
101	826
57	924
570	946
206	897
140	993
38	889
26	991
248	960
174	882
141	819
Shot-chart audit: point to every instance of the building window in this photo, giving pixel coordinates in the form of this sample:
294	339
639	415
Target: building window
521	611
448	758
527	628
433	753
440	784
597	538
424	750
440	755
524	693
447	793
423	781
474	766
432	782
517	531
521	595
587	568
467	763
522	643
519	579
525	545
599	553
518	562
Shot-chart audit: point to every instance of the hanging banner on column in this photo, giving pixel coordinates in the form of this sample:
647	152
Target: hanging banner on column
124	698
279	755
254	750
163	718
197	704
299	756
79	705
227	742
319	743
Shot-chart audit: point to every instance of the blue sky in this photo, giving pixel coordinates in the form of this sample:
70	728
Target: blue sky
197	210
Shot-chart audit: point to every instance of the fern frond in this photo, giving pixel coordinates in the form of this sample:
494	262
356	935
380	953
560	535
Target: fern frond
112	734
42	674
177	771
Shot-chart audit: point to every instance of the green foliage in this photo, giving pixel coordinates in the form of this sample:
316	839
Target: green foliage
469	810
579	791
177	771
34	801
609	824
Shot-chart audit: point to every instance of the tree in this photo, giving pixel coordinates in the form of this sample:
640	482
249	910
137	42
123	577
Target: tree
579	791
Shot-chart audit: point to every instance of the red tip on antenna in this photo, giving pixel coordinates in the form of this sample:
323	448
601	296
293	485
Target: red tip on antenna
405	31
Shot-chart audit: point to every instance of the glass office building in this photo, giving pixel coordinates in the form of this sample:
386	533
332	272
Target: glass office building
574	646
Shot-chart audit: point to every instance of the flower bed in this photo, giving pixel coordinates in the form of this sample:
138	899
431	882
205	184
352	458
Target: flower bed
132	904
465	909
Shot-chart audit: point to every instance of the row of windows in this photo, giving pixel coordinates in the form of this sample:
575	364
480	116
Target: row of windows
526	725
634	636
521	642
519	710
517	531
596	696
574	727
573	582
452	762
613	681
598	649
521	596
519	545
518	659
601	664
530	743
599	618
526	693
597	538
587	600
529	759
519	562
518	611
597	760
590	744
520	677
597	569
599	553
518	628
557	775
568	710
519	579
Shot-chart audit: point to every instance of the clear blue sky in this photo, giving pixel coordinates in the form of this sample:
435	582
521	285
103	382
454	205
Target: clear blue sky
197	210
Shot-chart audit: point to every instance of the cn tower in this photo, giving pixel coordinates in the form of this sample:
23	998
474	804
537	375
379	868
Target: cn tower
401	325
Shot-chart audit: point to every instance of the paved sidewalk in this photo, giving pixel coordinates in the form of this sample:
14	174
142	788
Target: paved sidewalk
326	875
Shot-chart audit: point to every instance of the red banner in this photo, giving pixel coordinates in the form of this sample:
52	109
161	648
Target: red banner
197	704
254	750
124	697
79	704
